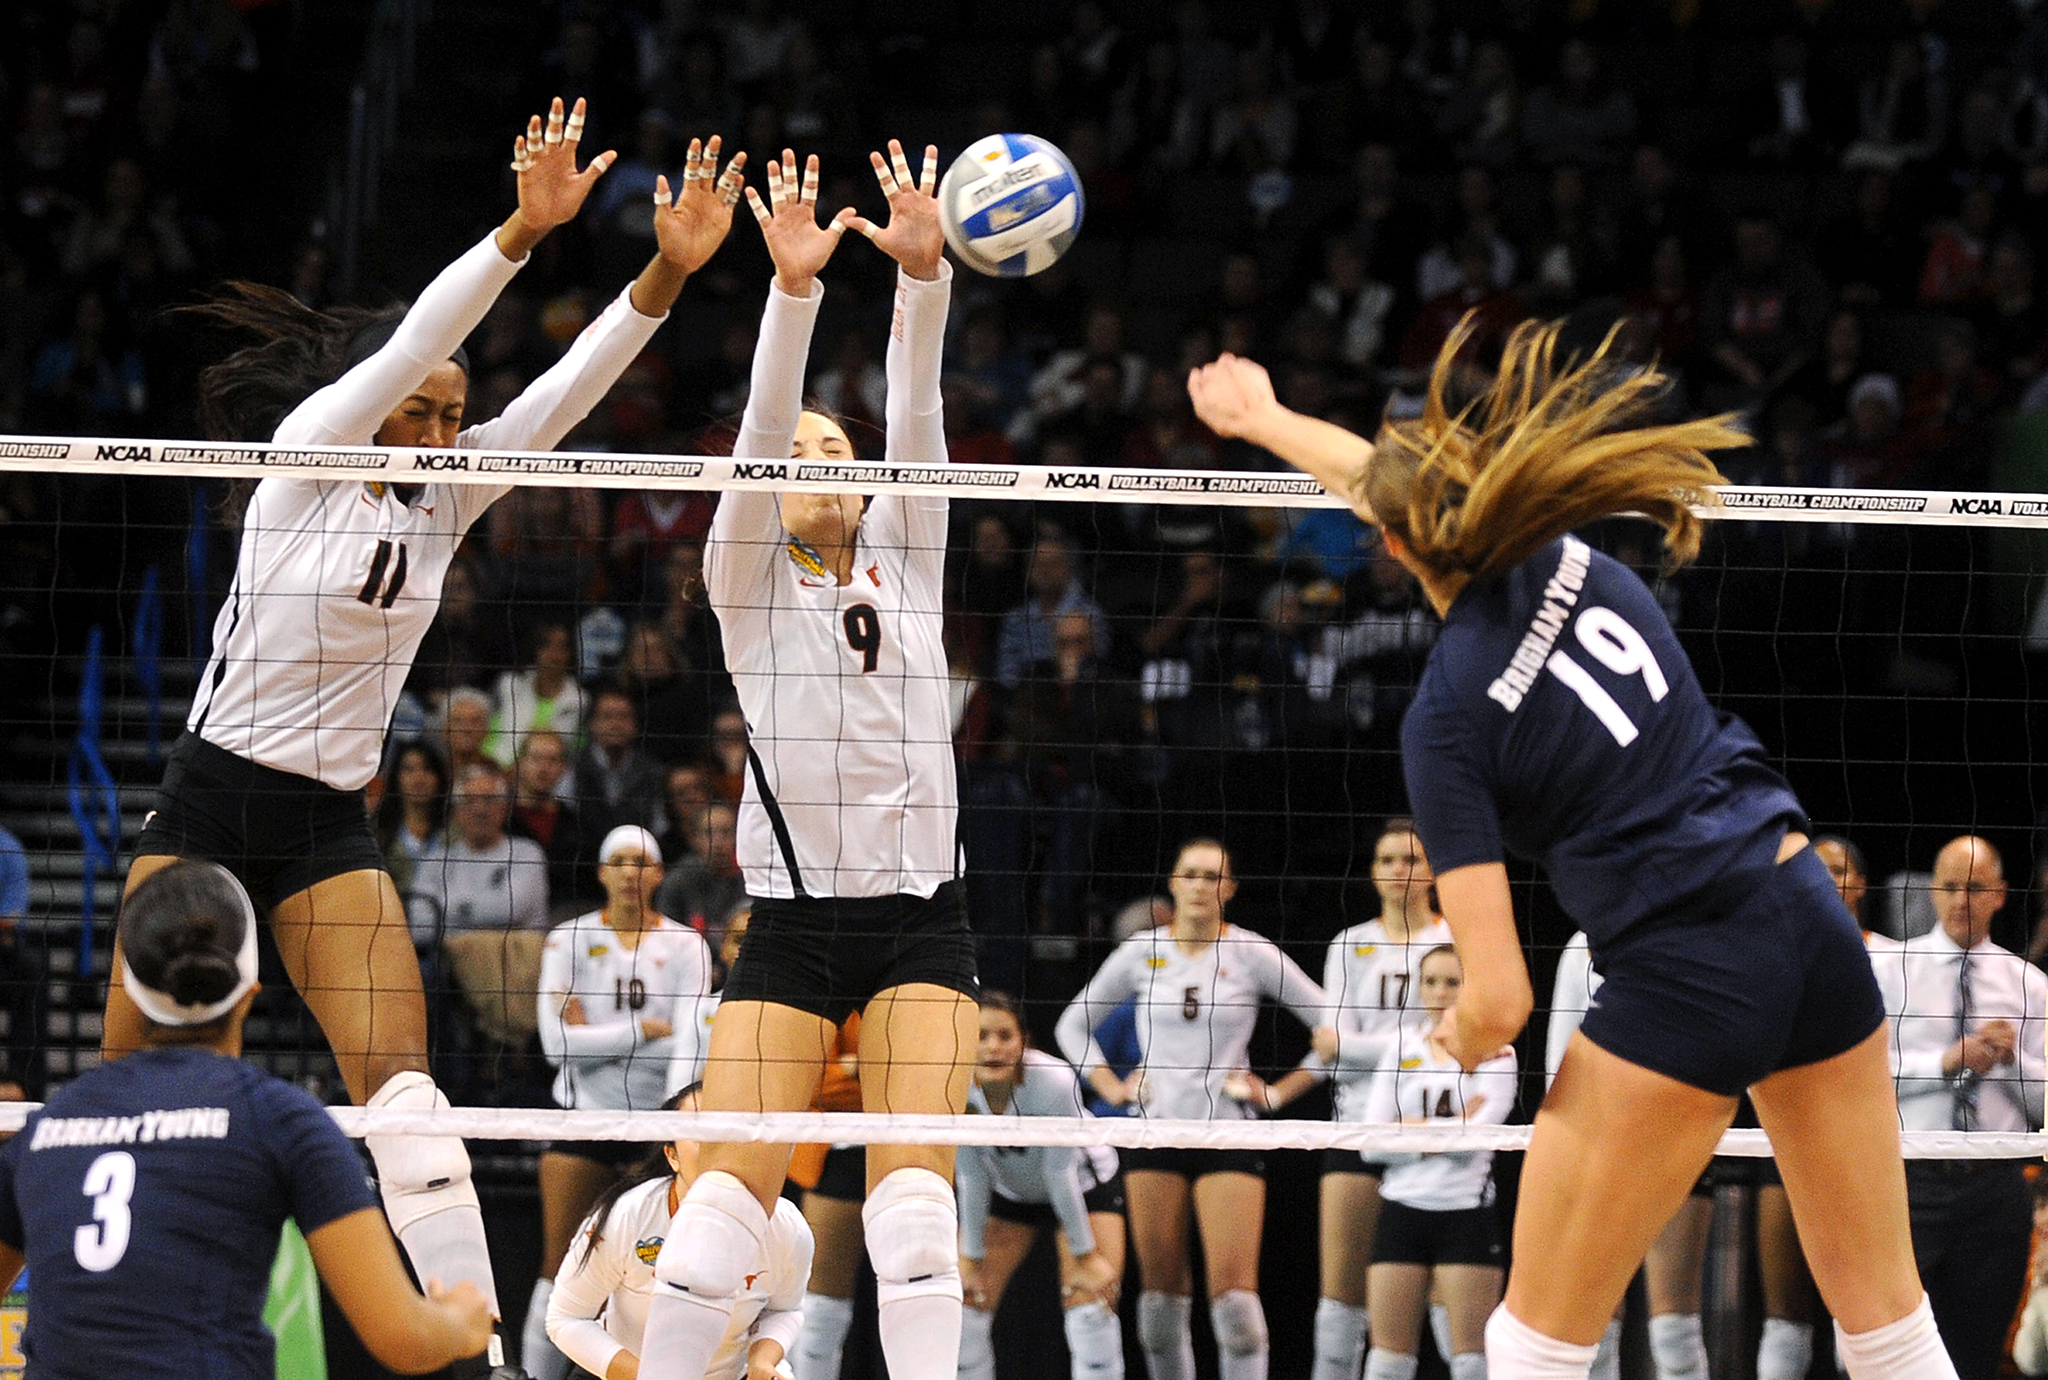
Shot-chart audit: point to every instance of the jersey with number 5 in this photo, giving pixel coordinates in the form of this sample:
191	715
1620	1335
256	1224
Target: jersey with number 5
1559	719
147	1197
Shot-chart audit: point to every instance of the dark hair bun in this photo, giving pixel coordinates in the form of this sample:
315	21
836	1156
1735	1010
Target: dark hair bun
182	929
199	978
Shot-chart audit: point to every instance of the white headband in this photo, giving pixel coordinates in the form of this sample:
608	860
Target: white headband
649	846
165	1009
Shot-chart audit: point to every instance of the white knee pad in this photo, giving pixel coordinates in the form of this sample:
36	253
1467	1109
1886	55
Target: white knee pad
1095	1340
1468	1365
913	1235
1163	1320
1786	1350
1517	1351
1678	1346
418	1176
1340	1340
977	1344
1239	1321
1381	1364
716	1239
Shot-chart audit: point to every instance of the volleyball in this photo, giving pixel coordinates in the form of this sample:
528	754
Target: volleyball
1011	204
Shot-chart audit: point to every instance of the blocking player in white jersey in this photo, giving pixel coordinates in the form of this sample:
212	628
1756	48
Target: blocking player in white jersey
1437	1219
1010	1194
597	1311
829	606
1373	978
1198	983
625	1011
334	586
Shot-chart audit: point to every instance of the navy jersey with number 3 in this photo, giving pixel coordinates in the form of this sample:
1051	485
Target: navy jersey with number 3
148	1196
1559	719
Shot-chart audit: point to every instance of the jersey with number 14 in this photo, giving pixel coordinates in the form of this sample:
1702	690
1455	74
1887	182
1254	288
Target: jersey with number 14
850	789
1559	719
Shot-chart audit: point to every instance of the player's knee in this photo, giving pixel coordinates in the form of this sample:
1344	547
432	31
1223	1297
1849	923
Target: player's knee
1163	1320
418	1176
716	1239
1239	1321
1096	1342
912	1229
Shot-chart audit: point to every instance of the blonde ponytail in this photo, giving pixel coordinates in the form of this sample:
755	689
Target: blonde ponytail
1479	491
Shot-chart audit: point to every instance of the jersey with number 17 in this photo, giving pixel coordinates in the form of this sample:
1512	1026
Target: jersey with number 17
1559	719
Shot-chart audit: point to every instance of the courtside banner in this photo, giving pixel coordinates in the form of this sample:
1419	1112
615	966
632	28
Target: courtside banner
617	470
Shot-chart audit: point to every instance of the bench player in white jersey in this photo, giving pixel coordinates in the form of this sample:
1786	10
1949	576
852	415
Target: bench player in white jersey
1009	1194
1437	1221
597	1311
829	607
1198	983
334	587
625	1010
1373	980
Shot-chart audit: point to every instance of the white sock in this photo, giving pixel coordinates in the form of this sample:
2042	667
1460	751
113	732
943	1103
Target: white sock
913	1233
715	1242
1786	1351
540	1357
1381	1364
1677	1346
1095	1341
1909	1349
1239	1322
1468	1365
1517	1351
1164	1336
977	1345
822	1341
1440	1330
1607	1356
1340	1340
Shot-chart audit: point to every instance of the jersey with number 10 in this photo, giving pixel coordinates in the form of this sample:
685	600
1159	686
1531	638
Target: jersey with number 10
1559	719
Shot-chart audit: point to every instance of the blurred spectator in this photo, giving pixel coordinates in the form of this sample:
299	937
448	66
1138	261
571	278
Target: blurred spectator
540	813
1967	1022
685	790
1824	381
1866	449
543	697
1380	105
1667	306
616	782
855	389
1257	127
414	812
1442	269
994	377
1053	582
544	543
1572	256
100	233
1954	272
1356	305
1576	118
24	979
705	885
668	706
1389	225
465	729
1869	254
1902	110
1099	425
2012	323
1657	203
1096	58
1062	385
1948	406
1761	316
1482	117
647	527
1794	116
478	877
1494	313
728	753
90	381
464	646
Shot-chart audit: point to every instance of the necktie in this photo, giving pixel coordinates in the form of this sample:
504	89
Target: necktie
1963	1115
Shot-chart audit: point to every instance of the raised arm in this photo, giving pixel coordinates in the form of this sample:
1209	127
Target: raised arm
1235	397
551	191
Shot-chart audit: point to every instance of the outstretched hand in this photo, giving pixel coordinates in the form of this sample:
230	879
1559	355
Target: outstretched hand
690	227
551	190
1231	395
796	242
912	237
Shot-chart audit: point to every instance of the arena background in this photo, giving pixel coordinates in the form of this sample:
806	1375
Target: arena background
1325	186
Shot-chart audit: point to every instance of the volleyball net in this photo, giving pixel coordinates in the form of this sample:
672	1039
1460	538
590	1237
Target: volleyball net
1138	656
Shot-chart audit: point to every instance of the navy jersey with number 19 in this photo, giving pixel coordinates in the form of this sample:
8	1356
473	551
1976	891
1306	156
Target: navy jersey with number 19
1559	719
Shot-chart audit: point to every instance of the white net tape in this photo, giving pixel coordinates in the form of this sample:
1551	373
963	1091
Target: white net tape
601	469
868	1128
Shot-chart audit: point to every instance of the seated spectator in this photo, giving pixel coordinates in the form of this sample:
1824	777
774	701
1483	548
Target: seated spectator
464	645
1494	312
1572	256
692	631
686	790
2012	323
1954	273
545	696
616	781
1824	382
545	540
972	438
985	584
1668	307
854	388
1380	105
995	377
1441	268
24	982
1657	202
1967	1018
1902	109
1761	317
667	704
646	529
1061	385
728	744
478	877
1481	119
1794	116
1053	582
1099	425
465	729
89	381
414	812
1354	303
1257	126
1378	652
704	886
1867	449
540	813
1577	118
1870	255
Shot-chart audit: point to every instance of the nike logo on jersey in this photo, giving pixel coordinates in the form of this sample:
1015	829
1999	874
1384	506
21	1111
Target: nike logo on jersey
875	574
754	1276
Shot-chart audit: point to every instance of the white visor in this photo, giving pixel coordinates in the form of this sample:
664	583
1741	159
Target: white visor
630	835
165	1009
